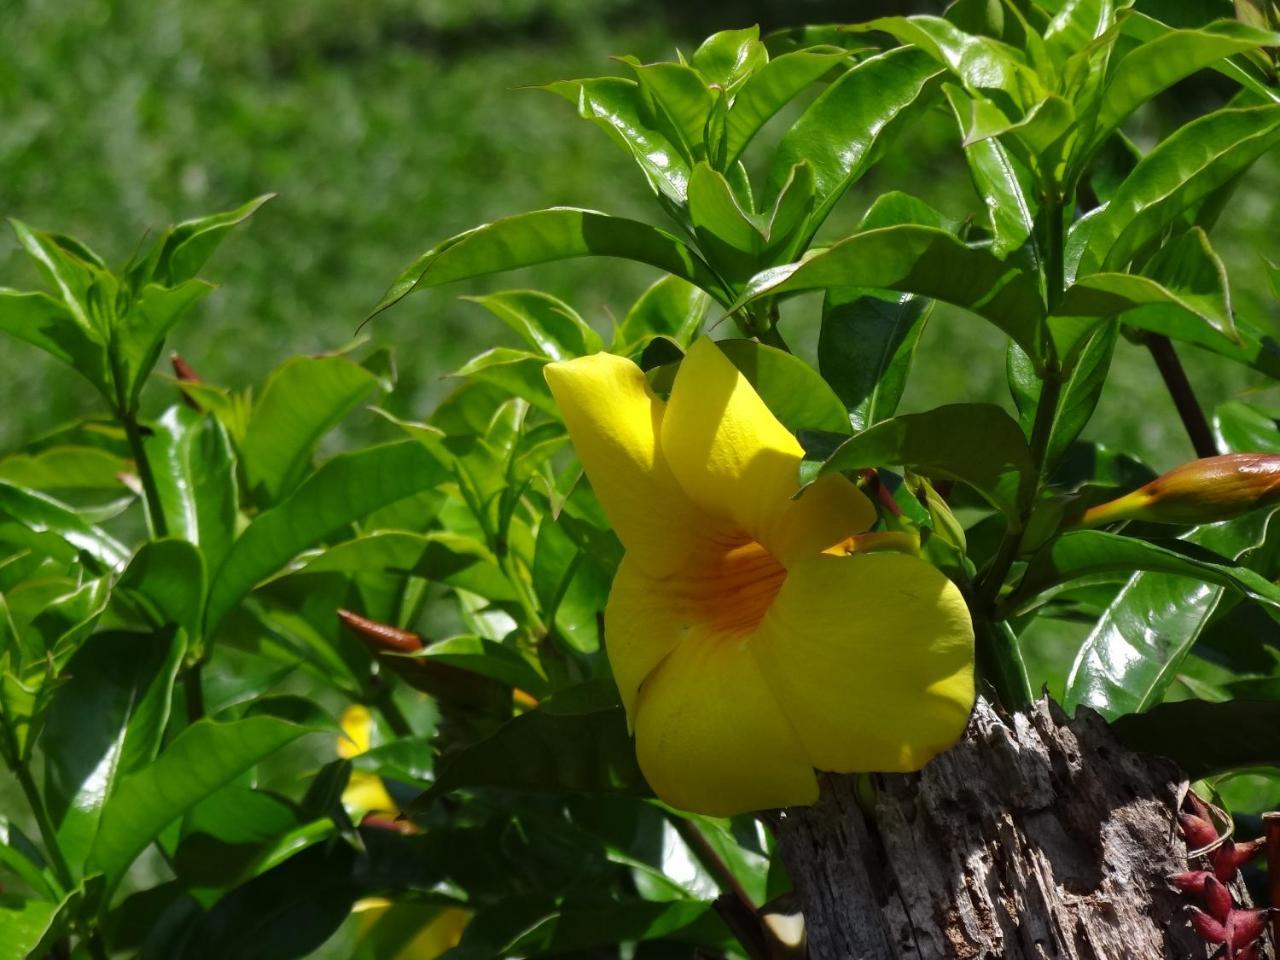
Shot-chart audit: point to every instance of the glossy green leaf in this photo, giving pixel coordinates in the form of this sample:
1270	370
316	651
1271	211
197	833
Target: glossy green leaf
682	94
574	742
1080	392
865	348
42	321
202	759
191	243
618	107
138	335
671	307
840	132
728	57
1180	172
490	659
1206	739
167	577
69	271
975	443
1241	428
1075	25
559	233
302	400
1163	61
1132	654
547	324
195	474
341	491
515	372
570	587
773	86
106	720
911	258
1003	184
40	513
65	467
719	219
28	926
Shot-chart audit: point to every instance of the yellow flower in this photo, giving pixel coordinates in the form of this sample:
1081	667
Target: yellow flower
750	638
365	792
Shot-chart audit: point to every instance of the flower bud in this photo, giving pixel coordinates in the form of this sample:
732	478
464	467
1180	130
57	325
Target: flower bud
1198	832
1217	898
1230	857
1207	928
1202	491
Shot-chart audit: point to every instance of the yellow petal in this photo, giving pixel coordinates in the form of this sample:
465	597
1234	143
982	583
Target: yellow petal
357	728
711	738
614	421
366	793
828	512
728	451
642	623
871	657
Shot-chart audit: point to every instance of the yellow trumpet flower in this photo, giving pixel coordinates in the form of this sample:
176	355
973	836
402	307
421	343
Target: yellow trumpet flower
751	635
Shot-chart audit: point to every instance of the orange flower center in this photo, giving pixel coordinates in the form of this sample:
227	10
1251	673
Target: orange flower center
734	590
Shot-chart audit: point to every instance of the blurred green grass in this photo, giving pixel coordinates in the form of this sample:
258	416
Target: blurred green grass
385	127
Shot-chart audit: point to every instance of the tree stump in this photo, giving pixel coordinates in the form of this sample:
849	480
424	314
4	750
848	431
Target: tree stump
1035	837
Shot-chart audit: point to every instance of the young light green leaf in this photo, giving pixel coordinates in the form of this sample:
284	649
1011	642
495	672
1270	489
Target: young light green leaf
771	87
138	335
671	307
202	759
191	243
921	260
40	513
547	324
730	56
517	372
43	322
167	577
682	94
974	443
303	399
65	468
865	348
839	133
30	926
195	474
559	233
341	491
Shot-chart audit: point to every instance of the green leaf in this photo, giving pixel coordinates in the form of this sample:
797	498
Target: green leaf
138	335
922	260
865	349
1133	653
28	927
195	474
1186	275
1206	739
548	325
726	233
559	233
1080	391
1161	62
728	57
1241	428
341	491
587	927
65	467
576	742
192	242
975	443
1184	169
840	133
106	720
40	513
43	322
168	577
1076	25
682	94
1003	184
202	759
515	372
488	658
671	307
70	273
303	399
773	86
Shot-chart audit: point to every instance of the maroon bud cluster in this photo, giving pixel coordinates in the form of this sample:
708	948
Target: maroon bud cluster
1239	931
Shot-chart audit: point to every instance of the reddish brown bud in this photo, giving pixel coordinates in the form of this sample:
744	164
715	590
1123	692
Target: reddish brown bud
1217	898
1230	857
183	370
1215	488
1192	881
1207	928
1197	831
1245	926
1198	806
381	637
381	821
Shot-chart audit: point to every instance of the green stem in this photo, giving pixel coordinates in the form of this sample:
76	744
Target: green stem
150	492
48	832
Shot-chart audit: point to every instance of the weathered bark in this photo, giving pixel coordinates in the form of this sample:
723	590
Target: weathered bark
1035	837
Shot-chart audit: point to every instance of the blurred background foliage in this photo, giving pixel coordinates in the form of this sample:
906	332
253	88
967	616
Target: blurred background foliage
385	127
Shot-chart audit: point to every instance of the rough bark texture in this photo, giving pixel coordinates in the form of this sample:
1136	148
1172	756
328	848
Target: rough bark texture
1035	837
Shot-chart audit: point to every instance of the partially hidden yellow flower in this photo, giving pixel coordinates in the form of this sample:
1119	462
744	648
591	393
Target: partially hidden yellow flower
365	792
750	638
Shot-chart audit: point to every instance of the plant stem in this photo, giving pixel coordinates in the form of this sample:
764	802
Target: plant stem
735	907
150	492
1184	396
48	832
